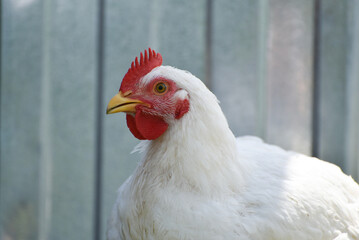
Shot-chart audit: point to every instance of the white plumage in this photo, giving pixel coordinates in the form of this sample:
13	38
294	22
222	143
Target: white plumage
197	181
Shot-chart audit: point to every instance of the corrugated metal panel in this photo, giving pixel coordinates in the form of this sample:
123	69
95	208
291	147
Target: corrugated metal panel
70	106
21	67
47	120
289	74
333	58
352	124
237	63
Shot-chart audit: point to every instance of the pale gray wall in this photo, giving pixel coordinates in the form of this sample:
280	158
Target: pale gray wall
284	70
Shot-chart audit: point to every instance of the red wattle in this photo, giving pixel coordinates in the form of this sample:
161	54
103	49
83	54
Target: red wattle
131	124
146	126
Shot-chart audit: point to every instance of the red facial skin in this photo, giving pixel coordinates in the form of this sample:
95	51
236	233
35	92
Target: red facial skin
150	120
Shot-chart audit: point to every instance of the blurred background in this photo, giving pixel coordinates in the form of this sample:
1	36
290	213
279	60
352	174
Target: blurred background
284	70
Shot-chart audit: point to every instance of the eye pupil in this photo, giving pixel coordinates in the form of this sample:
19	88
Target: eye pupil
161	87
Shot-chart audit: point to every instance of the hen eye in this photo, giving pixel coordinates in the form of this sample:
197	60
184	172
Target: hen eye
160	88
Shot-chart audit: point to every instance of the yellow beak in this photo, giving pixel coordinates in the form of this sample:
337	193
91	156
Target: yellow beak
120	103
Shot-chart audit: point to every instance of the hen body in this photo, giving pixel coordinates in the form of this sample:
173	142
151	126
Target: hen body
197	181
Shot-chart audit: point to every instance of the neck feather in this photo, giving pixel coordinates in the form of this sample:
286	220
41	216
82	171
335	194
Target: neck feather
197	152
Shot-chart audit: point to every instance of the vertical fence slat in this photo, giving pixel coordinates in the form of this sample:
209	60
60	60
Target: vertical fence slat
20	116
100	59
177	31
352	130
184	45
236	63
332	80
71	79
47	120
289	74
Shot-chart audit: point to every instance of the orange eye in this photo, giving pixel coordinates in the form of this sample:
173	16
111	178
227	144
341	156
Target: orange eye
160	88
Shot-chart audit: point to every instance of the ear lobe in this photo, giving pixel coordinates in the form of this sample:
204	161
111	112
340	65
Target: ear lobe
182	108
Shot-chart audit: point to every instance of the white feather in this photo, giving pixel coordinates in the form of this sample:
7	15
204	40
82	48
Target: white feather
197	181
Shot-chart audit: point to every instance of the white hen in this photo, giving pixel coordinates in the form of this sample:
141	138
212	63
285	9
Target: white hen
197	181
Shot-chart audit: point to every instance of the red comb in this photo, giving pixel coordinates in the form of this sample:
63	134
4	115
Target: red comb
140	69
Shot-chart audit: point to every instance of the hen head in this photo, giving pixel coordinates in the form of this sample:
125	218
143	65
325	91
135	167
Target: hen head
151	101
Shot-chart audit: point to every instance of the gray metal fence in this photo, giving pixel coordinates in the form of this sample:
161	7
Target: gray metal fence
284	70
